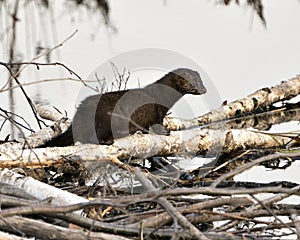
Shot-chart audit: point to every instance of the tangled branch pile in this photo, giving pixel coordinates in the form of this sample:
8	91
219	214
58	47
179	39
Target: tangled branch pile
139	191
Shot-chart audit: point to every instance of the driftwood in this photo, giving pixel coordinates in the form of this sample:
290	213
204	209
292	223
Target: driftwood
39	190
262	120
179	143
7	236
43	230
255	101
156	210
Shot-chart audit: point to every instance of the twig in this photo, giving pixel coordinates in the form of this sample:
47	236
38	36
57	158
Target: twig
160	219
120	77
216	191
37	64
272	213
44	53
209	216
24	92
294	217
256	207
47	80
7	117
133	231
46	209
251	164
42	230
177	216
14	75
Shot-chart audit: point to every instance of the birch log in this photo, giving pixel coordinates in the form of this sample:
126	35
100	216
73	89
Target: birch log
180	143
38	189
260	121
259	99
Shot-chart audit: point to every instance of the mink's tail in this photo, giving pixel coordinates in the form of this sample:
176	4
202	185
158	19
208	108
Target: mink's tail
62	140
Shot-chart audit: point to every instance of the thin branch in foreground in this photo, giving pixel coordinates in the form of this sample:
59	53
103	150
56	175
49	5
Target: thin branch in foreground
12	120
172	211
46	81
14	76
42	230
37	64
44	53
272	213
253	163
24	93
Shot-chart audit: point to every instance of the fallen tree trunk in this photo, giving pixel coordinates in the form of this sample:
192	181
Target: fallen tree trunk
38	189
259	99
180	143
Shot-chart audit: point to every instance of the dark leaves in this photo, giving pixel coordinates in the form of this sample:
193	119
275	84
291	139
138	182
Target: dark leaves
99	5
256	5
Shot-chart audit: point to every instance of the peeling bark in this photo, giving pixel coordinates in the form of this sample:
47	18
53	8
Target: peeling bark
259	99
180	143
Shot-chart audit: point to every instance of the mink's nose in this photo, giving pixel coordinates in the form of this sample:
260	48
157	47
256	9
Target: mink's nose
201	89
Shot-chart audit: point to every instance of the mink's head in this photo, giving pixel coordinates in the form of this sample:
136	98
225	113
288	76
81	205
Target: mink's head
188	81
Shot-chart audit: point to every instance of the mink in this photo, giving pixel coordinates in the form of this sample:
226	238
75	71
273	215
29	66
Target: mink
102	118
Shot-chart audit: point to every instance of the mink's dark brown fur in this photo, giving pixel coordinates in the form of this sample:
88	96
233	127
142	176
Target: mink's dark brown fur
103	118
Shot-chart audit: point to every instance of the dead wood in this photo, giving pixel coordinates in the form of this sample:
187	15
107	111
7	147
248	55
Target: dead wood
199	142
257	100
38	189
43	230
163	218
8	236
173	211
